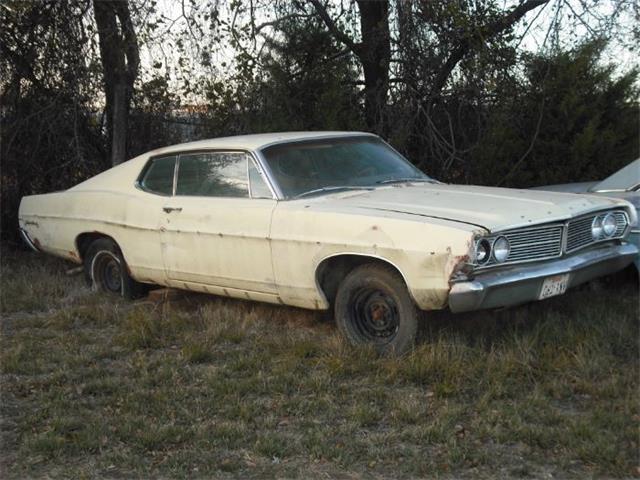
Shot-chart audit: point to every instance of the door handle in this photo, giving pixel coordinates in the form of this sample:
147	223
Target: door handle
172	209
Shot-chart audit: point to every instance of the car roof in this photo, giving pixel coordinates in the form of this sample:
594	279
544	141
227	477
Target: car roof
254	141
624	179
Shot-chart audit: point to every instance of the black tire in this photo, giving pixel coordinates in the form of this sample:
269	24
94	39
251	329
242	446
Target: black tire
373	307
105	270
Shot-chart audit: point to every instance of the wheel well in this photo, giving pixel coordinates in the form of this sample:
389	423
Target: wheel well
331	271
85	239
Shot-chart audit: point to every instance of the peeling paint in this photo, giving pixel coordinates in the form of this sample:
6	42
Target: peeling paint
271	250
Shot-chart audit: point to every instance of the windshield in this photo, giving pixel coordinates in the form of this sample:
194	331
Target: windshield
330	164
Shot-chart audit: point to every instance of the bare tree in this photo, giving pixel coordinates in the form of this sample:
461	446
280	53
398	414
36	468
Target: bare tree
374	53
469	43
120	60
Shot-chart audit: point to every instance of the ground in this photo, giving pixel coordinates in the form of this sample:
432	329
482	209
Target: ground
197	386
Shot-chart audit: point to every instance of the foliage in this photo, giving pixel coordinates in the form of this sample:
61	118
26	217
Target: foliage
154	121
304	82
501	115
570	118
51	137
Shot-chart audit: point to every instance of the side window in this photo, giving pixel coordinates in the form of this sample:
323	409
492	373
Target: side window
159	175
259	188
213	174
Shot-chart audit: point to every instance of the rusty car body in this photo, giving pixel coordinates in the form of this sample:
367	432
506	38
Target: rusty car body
324	220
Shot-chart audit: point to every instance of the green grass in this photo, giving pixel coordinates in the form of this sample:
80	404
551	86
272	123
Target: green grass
96	387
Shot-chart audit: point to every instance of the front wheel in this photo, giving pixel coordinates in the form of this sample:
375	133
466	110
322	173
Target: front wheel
373	307
106	271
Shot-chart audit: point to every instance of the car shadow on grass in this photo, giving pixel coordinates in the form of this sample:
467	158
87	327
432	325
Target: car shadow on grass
614	294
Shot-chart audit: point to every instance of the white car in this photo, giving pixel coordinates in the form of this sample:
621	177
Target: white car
325	220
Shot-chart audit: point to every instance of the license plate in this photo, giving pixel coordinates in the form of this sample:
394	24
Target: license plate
553	286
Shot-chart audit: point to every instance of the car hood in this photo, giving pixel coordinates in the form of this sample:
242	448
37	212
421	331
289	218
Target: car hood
491	208
580	187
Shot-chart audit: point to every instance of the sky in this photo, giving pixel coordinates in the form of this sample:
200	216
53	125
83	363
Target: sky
578	19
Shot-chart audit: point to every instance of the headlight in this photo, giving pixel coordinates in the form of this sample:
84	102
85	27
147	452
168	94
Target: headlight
609	225
483	251
501	249
596	228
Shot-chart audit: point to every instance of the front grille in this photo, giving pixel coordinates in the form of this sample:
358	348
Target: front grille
546	241
535	243
579	230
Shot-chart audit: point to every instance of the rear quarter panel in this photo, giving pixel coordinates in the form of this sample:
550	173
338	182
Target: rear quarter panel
108	204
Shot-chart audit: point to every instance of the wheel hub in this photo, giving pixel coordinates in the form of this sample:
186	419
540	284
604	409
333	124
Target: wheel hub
375	315
107	272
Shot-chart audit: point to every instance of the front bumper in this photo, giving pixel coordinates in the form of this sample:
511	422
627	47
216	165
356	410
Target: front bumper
522	283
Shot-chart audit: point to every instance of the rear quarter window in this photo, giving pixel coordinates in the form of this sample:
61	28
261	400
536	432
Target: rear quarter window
158	175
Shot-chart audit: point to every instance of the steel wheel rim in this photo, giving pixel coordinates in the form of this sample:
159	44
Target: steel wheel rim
374	315
107	272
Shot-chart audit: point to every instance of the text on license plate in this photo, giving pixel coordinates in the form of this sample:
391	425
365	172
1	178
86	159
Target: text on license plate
553	286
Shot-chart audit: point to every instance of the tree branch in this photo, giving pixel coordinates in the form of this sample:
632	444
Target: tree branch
516	165
480	36
276	21
333	28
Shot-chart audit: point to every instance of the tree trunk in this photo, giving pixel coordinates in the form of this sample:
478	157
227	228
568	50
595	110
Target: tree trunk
120	59
120	116
375	53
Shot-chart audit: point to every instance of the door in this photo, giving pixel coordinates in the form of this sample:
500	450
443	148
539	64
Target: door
216	228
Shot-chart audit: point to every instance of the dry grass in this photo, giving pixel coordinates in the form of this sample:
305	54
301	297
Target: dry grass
96	387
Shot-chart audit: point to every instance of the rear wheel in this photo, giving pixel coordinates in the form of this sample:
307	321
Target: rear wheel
106	271
373	307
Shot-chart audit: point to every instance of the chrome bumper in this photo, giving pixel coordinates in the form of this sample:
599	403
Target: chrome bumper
522	283
27	240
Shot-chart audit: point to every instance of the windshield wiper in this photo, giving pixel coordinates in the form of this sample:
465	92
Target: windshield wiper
330	189
406	180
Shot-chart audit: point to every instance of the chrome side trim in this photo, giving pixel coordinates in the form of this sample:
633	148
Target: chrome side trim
248	176
257	161
271	182
176	166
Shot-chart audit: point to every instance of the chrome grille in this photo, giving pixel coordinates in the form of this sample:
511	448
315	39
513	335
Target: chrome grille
536	243
546	241
579	230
